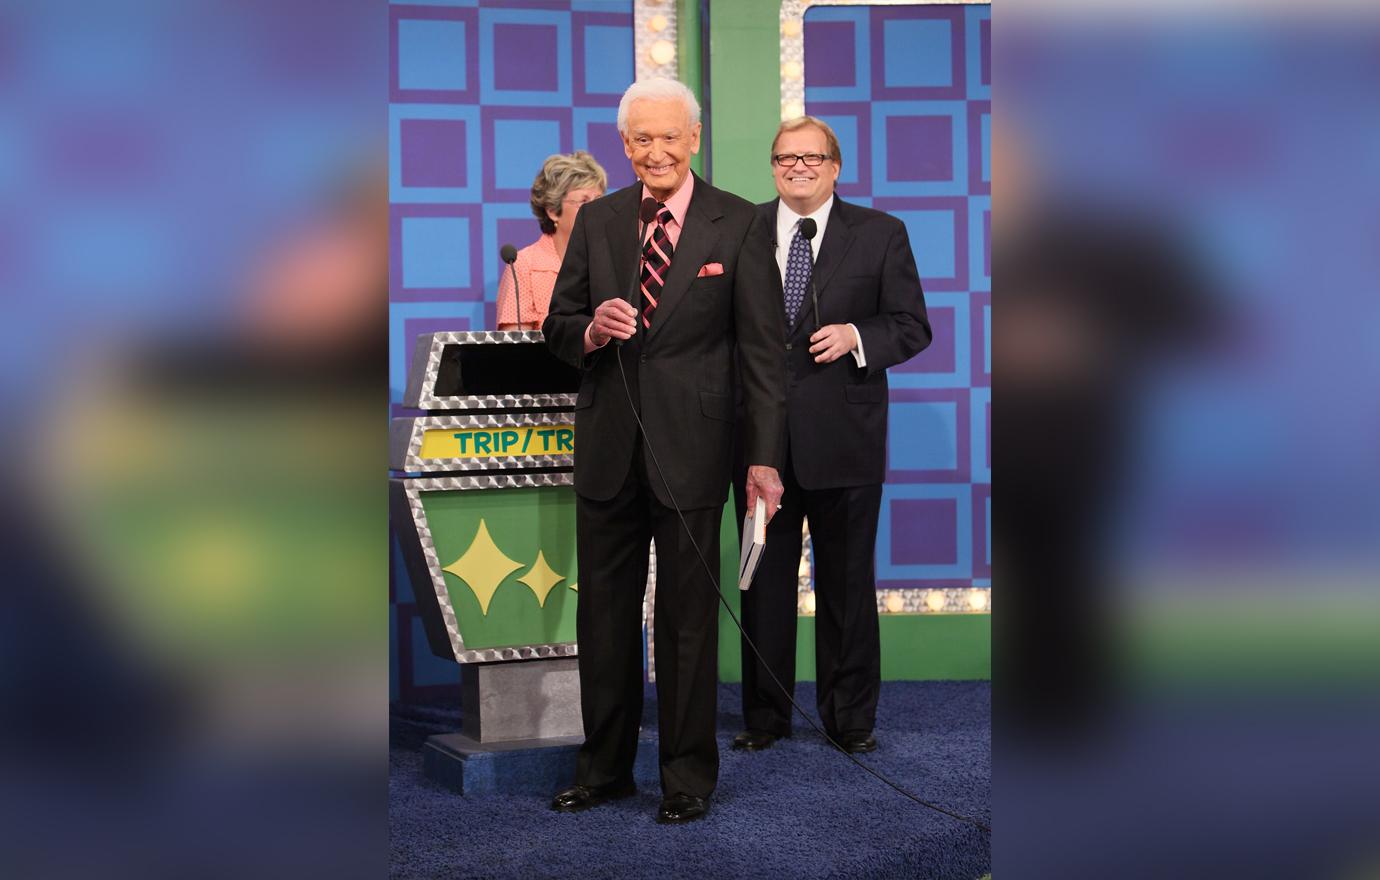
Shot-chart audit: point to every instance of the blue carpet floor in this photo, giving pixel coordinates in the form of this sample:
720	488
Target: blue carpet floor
799	810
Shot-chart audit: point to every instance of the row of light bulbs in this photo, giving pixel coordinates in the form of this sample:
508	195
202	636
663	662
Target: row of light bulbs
935	600
660	52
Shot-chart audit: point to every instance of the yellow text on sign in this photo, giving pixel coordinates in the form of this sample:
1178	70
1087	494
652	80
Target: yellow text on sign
499	442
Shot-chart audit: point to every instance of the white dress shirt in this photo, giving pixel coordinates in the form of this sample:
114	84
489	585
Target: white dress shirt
786	222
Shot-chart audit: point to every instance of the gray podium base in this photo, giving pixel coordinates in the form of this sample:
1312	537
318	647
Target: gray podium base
520	731
521	700
531	766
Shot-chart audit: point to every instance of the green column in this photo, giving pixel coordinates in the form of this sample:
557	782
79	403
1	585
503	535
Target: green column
744	87
744	93
688	45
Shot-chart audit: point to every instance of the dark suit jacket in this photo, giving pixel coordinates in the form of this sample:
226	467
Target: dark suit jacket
681	371
865	275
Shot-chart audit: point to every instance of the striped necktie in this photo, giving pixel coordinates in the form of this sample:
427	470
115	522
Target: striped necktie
656	262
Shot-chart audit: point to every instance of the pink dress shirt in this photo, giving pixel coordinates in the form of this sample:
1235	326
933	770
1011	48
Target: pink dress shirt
537	266
678	204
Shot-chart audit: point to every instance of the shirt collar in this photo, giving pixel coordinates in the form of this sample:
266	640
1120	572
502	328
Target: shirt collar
786	219
678	203
544	253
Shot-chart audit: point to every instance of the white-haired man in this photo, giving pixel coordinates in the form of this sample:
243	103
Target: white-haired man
701	296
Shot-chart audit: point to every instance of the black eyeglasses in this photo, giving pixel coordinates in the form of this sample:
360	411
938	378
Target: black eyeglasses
786	160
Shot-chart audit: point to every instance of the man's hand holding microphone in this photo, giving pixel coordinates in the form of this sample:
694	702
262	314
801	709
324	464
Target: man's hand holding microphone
613	319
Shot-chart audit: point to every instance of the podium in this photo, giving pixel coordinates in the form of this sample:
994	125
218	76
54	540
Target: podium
481	496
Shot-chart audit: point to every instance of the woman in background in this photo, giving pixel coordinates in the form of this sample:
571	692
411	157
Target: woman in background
564	183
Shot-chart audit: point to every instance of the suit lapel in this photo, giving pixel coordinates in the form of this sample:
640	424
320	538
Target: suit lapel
697	240
769	219
621	232
838	238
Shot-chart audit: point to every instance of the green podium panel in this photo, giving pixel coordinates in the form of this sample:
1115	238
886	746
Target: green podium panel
492	559
509	559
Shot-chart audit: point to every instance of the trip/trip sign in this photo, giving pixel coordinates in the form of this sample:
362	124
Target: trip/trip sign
499	442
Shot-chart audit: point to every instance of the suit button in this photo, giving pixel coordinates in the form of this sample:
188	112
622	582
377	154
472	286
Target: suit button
789	346
642	359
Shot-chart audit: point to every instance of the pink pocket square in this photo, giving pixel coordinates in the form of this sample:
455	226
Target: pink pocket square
708	270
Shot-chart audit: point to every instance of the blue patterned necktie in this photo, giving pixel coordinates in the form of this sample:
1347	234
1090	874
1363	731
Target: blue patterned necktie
799	264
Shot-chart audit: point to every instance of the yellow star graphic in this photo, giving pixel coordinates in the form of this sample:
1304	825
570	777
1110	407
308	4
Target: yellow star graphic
541	579
483	567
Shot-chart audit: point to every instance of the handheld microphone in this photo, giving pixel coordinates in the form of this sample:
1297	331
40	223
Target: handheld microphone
808	228
646	213
508	254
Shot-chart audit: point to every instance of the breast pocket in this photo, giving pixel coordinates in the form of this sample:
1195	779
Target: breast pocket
711	301
709	285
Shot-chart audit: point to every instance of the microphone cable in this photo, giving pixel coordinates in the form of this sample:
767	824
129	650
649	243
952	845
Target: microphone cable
714	581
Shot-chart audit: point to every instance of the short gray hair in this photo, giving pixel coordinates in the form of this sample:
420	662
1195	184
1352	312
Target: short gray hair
658	88
560	174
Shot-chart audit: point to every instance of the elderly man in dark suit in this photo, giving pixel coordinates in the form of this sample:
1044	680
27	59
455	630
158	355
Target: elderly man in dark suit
703	291
871	316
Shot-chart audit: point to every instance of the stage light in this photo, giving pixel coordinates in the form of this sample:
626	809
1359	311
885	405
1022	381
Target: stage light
977	600
792	70
807	604
792	110
662	52
895	603
935	600
657	23
792	27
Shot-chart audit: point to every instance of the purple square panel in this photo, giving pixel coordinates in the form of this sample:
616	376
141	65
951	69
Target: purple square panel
920	148
831	49
607	147
924	531
525	57
433	152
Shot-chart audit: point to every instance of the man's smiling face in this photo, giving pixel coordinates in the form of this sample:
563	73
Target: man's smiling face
660	141
800	186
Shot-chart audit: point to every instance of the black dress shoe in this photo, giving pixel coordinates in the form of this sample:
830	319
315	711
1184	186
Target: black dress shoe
679	808
857	742
582	797
751	740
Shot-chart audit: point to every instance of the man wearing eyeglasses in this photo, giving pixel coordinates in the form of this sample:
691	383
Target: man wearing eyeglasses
853	306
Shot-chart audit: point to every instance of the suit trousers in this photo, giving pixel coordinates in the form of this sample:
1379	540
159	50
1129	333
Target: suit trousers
843	535
612	538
